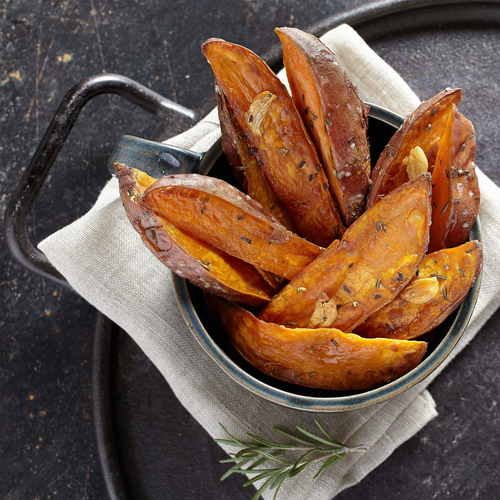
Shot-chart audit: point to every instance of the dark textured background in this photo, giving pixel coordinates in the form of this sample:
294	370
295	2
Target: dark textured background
47	446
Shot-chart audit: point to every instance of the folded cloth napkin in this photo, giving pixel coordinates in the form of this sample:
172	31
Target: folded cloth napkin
100	253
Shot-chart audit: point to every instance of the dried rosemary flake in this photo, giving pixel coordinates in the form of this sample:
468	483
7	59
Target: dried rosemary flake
311	177
347	289
251	118
446	267
306	110
290	323
433	112
435	260
204	264
311	123
445	207
242	167
400	276
333	342
283	151
339	306
301	289
445	294
389	327
327	121
246	240
417	272
259	162
377	296
273	204
379	226
318	168
438	276
314	117
240	217
203	209
325	186
471	248
303	97
463	272
377	284
351	264
301	164
312	374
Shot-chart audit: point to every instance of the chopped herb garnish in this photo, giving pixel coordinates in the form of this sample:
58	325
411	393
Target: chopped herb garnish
312	374
290	323
203	209
463	272
306	110
301	164
377	296
400	276
446	267
303	97
433	112
417	272
351	264
242	167
251	118
204	264
283	151
240	217
318	168
246	240
259	162
311	177
377	284
339	306
327	121
471	248
333	342
311	123
389	327
347	289
445	207
325	186
379	226
273	204
445	294
438	276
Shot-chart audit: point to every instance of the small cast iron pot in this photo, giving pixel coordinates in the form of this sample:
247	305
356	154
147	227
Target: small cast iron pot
158	159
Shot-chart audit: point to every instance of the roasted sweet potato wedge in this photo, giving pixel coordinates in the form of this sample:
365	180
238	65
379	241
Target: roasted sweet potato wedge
324	358
245	166
455	188
415	311
334	115
422	128
205	266
377	257
278	139
216	212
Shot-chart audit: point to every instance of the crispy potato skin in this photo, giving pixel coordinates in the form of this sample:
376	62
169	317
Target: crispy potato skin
245	167
455	191
217	213
283	148
457	270
377	257
324	358
423	127
192	259
334	116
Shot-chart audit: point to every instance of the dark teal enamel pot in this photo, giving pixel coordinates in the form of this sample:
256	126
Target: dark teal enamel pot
207	330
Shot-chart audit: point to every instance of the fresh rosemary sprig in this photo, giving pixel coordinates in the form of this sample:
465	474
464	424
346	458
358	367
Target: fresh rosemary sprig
252	456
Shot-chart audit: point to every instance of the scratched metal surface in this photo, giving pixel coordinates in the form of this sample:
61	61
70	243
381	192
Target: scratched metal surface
47	448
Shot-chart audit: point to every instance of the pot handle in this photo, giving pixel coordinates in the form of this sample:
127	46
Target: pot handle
58	131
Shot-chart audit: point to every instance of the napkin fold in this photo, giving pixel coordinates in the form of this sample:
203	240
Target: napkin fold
104	260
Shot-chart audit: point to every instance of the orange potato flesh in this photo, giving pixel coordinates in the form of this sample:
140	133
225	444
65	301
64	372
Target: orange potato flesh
455	189
280	142
324	358
246	169
217	213
334	116
190	258
423	127
377	257
456	270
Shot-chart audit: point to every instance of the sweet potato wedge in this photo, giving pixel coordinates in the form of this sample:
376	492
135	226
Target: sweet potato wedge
334	116
324	358
273	127
455	270
424	127
377	256
219	214
205	266
245	167
455	188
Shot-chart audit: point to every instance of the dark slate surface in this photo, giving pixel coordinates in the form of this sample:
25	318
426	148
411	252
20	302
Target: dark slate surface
47	446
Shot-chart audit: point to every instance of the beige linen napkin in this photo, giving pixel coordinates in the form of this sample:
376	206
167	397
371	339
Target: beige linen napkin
105	261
